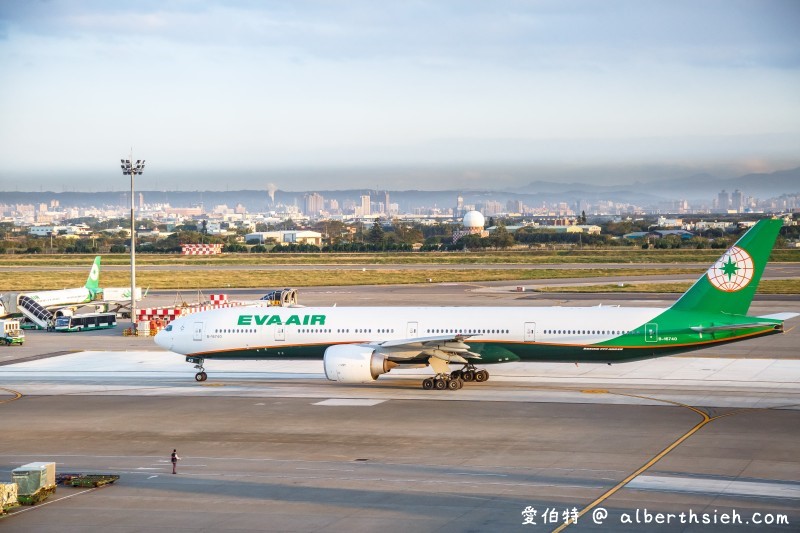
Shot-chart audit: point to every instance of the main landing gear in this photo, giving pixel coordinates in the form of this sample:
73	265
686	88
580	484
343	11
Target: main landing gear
442	382
470	373
456	379
198	364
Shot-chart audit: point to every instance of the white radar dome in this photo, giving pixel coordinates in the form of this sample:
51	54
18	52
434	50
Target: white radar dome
473	219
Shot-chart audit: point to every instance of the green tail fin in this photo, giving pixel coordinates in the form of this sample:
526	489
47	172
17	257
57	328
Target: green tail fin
93	281
729	285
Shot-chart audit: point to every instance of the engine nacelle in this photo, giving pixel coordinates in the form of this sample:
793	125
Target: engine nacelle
347	363
63	312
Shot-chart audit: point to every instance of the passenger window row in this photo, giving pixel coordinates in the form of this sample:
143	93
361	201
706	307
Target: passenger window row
585	332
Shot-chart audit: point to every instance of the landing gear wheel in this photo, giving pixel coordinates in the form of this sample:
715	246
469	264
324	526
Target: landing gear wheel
454	384
468	375
440	384
200	376
481	375
427	383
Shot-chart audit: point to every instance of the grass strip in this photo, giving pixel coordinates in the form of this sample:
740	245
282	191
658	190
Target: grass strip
774	286
210	278
538	257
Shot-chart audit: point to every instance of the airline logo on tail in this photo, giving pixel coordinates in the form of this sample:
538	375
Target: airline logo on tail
733	271
95	272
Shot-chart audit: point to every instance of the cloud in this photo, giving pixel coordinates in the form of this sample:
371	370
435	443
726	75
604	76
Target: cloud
548	34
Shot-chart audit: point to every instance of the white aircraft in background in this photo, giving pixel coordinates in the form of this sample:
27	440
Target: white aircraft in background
358	344
41	306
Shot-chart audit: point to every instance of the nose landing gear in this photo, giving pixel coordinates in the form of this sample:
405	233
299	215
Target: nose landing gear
198	364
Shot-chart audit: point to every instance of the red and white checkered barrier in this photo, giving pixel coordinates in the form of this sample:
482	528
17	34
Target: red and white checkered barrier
201	249
168	314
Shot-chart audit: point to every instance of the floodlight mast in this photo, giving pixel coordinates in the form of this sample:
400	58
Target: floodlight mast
129	168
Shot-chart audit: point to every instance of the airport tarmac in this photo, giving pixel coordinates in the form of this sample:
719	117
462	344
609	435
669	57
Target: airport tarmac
271	445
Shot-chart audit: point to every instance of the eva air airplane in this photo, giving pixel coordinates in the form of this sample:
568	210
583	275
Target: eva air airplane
359	344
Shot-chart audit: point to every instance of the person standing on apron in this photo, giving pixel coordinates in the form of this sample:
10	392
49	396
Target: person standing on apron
175	460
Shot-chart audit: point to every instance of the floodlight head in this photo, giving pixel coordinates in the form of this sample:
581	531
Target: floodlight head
121	160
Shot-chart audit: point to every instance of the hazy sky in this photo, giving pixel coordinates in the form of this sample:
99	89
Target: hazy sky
236	92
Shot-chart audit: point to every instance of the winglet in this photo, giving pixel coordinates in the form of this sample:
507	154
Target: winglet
729	285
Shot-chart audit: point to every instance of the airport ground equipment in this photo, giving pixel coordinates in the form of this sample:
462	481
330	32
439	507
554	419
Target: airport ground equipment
35	482
86	322
34	312
282	297
8	497
86	480
151	320
10	332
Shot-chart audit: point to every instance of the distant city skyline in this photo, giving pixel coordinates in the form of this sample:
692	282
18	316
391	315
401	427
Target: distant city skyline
356	94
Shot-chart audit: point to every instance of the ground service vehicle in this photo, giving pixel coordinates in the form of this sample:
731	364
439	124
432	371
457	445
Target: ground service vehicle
86	322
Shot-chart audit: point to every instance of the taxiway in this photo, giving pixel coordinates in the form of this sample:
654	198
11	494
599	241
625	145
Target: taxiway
272	445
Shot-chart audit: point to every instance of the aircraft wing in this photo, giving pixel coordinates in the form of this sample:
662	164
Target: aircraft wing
419	341
448	348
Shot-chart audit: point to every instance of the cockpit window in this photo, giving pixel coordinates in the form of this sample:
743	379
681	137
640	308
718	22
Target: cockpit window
168	328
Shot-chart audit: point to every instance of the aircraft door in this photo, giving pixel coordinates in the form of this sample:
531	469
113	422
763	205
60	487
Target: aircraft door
530	332
412	330
651	332
198	331
280	333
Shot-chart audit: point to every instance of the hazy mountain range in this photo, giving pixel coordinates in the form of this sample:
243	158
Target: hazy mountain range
702	187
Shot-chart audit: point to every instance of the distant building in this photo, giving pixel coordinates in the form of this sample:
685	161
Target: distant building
737	201
515	206
659	234
365	208
314	204
472	223
492	207
723	201
286	237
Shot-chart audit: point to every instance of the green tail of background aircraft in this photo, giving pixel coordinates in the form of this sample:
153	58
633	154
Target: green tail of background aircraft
358	344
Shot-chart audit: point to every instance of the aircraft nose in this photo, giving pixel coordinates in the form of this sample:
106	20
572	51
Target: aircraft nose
164	339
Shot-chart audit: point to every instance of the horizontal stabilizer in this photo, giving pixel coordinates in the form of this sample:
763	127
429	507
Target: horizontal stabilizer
780	316
730	327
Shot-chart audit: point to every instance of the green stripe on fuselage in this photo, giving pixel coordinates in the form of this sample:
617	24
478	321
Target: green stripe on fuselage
616	350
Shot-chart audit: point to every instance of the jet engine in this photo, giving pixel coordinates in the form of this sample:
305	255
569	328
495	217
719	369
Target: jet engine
355	364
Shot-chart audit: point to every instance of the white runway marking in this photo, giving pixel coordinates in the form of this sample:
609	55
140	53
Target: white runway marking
716	486
339	402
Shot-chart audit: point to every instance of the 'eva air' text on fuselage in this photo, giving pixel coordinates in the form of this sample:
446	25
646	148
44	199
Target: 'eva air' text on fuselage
277	320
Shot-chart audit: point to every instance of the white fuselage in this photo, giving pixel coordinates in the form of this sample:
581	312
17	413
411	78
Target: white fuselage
61	297
226	331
